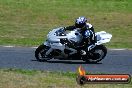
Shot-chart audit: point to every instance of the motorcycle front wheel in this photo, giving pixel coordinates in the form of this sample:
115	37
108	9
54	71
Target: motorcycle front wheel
96	55
40	53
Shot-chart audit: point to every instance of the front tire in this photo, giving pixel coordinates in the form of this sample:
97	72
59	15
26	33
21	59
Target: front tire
97	54
40	53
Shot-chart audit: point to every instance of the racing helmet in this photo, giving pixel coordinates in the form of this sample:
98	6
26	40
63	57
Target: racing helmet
80	22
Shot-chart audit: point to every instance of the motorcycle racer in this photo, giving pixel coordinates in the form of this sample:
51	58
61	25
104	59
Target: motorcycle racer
86	30
75	44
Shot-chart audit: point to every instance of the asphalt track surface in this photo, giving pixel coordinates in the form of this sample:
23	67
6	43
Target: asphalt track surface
116	61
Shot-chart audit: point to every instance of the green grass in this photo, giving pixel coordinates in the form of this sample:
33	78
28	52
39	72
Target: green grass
17	78
27	22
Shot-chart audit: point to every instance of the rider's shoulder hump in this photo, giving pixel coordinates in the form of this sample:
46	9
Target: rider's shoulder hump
89	25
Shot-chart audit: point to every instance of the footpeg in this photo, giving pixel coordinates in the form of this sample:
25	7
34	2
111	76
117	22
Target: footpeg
91	47
82	52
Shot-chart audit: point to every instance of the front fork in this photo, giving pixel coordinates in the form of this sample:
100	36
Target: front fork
46	43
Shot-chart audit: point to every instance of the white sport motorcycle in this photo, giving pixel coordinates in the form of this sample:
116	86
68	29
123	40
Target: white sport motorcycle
61	44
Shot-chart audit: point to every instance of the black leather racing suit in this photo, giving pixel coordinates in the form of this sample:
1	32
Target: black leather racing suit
88	35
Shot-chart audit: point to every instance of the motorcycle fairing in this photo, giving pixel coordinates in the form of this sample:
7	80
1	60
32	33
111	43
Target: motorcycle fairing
102	37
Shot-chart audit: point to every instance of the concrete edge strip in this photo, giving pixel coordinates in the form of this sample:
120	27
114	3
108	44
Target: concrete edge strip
8	46
118	49
36	47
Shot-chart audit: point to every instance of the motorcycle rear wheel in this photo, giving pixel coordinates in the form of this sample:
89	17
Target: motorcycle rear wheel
40	53
98	53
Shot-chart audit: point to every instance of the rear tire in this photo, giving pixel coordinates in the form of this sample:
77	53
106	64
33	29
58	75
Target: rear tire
40	53
99	52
